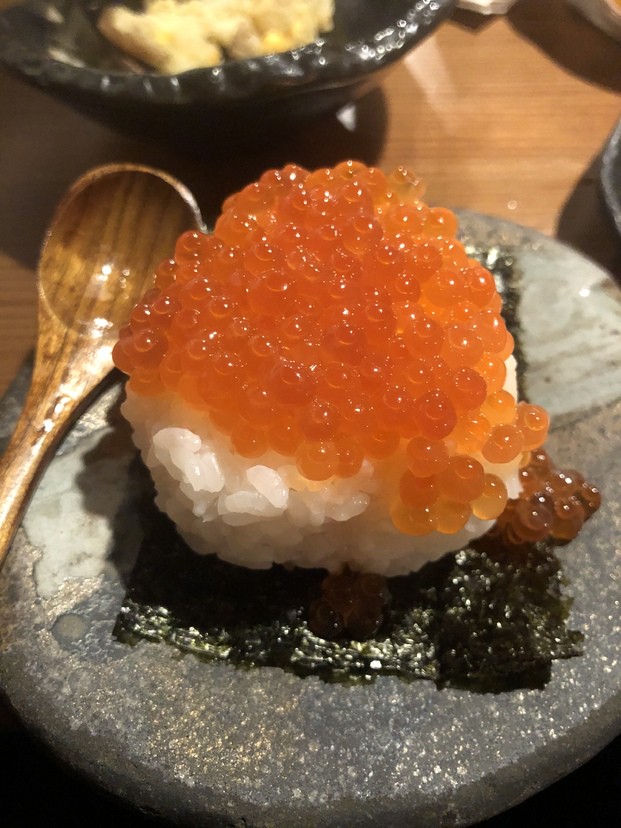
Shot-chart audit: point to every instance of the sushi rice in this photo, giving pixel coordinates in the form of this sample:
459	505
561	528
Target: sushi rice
259	511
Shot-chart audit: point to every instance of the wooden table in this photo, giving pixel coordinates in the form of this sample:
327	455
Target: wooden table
502	115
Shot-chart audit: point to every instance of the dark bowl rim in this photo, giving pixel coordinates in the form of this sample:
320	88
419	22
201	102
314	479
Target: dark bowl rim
321	64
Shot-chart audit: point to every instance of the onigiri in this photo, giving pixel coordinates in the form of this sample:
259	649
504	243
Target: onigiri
326	379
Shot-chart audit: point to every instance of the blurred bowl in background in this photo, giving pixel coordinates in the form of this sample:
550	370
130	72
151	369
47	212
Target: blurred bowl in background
55	45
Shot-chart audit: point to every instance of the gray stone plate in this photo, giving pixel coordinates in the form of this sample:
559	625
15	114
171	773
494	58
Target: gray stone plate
209	744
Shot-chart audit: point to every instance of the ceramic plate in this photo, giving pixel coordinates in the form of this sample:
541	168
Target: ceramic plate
206	743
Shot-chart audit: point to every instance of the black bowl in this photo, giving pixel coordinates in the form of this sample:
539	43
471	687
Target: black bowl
55	46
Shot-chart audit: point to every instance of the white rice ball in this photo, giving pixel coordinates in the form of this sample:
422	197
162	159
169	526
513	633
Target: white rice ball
256	512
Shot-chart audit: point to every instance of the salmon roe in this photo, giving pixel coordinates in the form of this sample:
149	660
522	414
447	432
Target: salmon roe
333	316
553	504
351	603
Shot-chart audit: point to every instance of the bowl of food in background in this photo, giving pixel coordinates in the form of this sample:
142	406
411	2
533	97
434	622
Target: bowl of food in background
143	68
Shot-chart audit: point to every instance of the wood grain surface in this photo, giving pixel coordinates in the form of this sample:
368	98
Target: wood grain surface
502	115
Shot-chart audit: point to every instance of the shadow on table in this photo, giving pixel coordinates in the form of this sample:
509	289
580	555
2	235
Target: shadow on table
586	225
570	40
212	172
473	21
590	796
35	790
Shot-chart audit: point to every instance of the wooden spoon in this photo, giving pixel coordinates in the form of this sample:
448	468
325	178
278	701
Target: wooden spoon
110	231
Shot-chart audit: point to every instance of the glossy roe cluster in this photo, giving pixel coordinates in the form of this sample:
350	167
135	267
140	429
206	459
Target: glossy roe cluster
333	316
553	504
350	603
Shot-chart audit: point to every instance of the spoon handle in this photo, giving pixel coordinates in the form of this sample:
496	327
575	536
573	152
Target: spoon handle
110	232
47	414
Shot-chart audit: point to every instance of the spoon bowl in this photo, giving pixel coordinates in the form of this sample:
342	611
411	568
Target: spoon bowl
110	231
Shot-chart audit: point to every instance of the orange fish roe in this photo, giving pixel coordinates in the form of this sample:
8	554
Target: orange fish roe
553	504
333	316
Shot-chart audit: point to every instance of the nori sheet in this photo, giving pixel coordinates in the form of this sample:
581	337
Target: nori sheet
484	618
